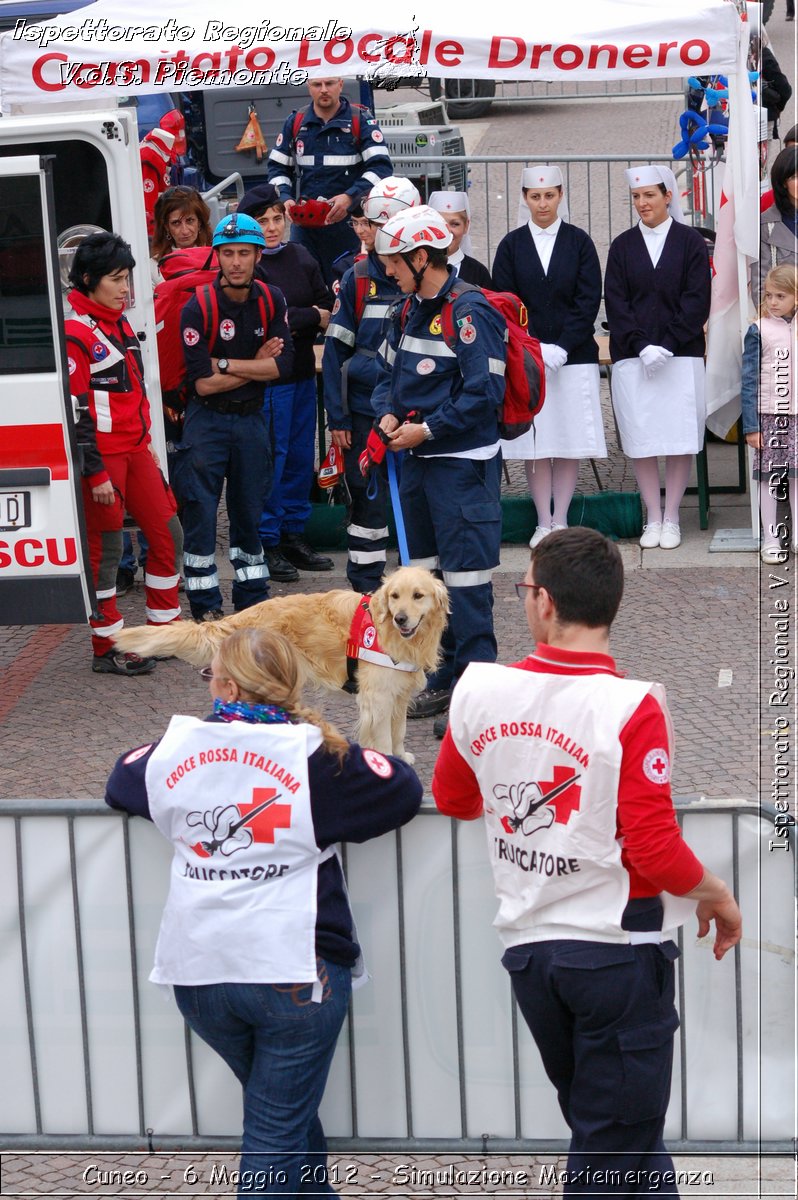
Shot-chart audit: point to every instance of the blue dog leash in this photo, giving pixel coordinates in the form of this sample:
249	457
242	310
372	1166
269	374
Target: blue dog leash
393	483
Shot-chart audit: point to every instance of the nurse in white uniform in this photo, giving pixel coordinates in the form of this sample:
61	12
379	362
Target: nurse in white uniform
554	268
657	295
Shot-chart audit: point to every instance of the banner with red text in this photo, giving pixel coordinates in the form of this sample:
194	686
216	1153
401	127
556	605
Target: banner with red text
115	46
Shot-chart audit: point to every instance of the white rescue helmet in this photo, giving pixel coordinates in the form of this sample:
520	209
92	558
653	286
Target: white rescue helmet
389	198
418	229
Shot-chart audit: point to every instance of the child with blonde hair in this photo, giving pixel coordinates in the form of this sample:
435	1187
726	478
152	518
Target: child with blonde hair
769	407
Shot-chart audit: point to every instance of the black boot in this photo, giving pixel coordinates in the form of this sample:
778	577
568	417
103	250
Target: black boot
280	569
294	547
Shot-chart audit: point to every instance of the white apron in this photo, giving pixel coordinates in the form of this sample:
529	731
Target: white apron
662	415
569	425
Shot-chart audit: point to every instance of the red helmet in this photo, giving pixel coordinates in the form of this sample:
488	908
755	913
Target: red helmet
311	213
173	122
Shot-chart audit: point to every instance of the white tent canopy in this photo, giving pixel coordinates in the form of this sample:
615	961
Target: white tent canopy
114	46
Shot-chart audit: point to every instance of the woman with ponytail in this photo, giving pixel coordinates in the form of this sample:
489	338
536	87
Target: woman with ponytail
257	937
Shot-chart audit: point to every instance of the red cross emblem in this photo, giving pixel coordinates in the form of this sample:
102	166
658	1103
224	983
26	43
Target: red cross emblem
264	824
656	766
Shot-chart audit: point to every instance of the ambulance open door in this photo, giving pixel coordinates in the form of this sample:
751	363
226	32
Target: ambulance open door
44	563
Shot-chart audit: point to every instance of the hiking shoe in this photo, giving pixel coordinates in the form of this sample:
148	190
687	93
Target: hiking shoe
440	725
116	663
429	703
280	569
210	614
294	547
124	580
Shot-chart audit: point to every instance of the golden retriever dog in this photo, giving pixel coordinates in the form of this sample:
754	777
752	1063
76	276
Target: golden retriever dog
409	613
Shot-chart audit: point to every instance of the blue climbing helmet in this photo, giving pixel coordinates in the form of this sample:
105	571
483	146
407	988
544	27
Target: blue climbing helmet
236	229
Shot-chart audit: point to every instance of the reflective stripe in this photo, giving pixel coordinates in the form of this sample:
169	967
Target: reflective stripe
278	156
384	660
162	616
282	181
245	573
372	151
369	535
426	346
161	581
467	578
306	160
252	559
102	407
362	557
496	366
388	354
107	594
340	160
342	333
108	631
199	560
201	583
429	564
376	311
372	177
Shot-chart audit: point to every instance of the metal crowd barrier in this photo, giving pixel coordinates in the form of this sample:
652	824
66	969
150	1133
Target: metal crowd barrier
525	92
434	1056
599	199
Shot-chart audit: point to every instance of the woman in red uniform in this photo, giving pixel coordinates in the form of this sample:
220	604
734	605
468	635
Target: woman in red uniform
120	467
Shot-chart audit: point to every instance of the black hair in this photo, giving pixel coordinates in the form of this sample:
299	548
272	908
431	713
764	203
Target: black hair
542	187
785	165
356	210
583	573
790	137
97	255
437	256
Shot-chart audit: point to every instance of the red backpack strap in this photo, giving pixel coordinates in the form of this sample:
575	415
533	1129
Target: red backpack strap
209	308
459	287
357	111
297	125
266	306
361	269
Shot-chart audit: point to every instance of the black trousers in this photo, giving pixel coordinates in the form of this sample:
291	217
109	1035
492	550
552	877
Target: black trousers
603	1018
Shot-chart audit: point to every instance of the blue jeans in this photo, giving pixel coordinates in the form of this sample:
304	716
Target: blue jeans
290	411
280	1046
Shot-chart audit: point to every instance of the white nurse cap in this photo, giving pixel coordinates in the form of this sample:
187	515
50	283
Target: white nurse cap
452	202
541	176
653	173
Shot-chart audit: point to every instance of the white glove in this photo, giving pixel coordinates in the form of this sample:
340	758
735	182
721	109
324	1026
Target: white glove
653	357
554	357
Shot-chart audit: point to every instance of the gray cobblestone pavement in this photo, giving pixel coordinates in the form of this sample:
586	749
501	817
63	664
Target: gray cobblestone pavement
688	615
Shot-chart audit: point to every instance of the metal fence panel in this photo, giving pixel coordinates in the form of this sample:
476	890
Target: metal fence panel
434	1054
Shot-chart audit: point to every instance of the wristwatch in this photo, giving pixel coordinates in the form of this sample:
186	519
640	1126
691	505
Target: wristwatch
223	365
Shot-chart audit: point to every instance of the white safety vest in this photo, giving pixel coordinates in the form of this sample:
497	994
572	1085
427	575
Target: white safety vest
545	749
234	801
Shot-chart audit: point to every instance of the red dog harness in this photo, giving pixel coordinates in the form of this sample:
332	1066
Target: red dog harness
363	644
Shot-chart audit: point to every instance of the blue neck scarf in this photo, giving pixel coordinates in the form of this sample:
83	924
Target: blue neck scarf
255	714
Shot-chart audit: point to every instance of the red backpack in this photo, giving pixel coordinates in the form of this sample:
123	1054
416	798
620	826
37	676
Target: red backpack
524	373
299	117
187	273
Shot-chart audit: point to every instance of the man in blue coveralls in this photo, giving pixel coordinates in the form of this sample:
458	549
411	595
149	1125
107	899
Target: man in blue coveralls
235	338
335	150
451	478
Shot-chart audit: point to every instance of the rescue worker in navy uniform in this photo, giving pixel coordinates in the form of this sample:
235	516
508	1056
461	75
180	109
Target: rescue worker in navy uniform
225	435
354	336
451	479
570	763
337	154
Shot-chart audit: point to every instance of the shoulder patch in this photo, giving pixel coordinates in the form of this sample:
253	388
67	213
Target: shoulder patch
136	754
190	336
656	766
378	763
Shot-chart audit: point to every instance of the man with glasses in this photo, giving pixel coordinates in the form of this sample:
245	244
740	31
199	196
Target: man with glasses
570	764
333	151
354	335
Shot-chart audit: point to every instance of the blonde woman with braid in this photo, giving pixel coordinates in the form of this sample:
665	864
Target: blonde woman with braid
257	937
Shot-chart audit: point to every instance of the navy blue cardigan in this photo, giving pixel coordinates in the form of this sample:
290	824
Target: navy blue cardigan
562	305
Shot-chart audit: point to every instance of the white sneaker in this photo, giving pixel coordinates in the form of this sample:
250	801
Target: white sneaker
651	535
773	554
670	537
538	535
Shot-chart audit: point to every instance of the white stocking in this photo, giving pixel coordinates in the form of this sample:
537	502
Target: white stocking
538	477
677	473
564	474
647	475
